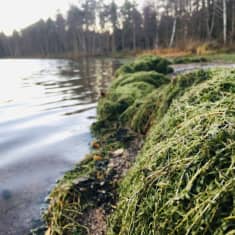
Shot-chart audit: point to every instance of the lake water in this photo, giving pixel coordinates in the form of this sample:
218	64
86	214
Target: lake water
46	108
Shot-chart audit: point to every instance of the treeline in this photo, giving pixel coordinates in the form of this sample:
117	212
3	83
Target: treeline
96	27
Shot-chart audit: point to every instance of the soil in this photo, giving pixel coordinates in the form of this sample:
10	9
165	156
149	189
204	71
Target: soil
105	194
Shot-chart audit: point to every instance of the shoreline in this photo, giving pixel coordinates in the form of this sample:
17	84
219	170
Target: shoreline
92	194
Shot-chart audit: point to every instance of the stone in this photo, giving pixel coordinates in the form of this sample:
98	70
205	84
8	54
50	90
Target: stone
118	152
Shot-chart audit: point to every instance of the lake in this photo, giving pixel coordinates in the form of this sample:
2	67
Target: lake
47	107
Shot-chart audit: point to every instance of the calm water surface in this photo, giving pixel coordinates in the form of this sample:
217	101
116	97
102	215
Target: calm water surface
46	107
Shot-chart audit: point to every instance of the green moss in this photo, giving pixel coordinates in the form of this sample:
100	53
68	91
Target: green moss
183	180
222	57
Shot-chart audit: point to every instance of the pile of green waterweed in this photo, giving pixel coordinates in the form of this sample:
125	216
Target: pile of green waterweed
190	59
146	63
72	196
66	203
183	181
131	97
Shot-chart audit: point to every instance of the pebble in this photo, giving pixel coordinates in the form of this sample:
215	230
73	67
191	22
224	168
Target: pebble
97	158
118	152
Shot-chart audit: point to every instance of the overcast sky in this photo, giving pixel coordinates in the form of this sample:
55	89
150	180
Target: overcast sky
17	14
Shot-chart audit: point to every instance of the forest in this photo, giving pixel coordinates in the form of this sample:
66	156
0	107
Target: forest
95	27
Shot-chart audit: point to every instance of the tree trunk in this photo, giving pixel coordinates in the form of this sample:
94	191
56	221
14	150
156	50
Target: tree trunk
134	36
123	40
156	41
211	26
93	50
225	21
208	20
114	40
173	33
147	43
233	22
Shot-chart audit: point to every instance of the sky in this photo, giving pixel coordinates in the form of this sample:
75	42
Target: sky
18	14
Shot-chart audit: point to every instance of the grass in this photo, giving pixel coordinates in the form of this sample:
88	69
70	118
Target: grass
196	52
223	57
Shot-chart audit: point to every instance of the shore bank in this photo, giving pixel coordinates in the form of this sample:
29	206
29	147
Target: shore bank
182	130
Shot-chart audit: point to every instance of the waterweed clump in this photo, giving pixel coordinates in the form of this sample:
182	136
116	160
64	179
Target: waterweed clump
156	104
151	77
67	202
146	63
183	181
178	87
190	59
132	104
126	94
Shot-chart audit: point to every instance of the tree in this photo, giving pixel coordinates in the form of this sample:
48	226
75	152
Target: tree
4	48
76	37
137	22
149	24
131	19
233	21
99	27
104	18
113	17
89	18
225	21
60	24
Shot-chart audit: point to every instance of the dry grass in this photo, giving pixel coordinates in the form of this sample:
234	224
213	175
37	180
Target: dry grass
167	52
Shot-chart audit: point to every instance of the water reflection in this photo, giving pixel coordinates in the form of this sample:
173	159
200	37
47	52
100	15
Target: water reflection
46	108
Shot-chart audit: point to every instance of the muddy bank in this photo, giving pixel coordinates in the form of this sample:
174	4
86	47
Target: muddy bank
113	192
